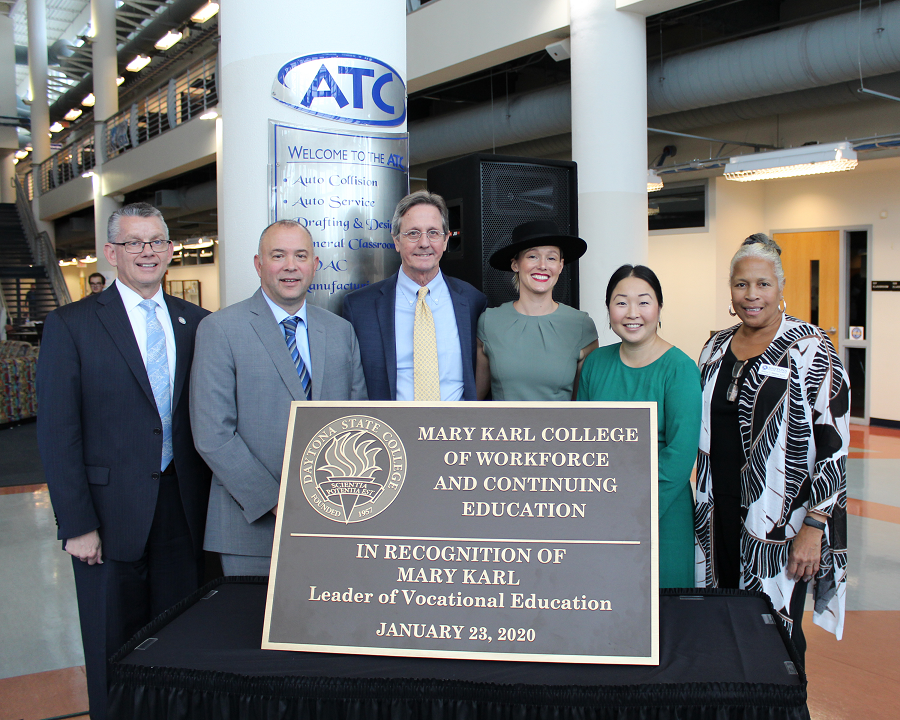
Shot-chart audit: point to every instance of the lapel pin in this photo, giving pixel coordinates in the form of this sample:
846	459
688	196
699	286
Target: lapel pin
182	321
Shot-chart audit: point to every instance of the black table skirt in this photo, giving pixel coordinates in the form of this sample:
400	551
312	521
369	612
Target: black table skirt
721	657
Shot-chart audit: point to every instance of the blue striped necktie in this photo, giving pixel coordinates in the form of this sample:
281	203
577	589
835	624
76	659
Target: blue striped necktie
158	374
290	336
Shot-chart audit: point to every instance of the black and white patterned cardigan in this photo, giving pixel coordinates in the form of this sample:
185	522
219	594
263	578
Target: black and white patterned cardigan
795	434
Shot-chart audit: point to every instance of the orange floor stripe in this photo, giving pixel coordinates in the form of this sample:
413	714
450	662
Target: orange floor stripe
15	489
873	510
44	695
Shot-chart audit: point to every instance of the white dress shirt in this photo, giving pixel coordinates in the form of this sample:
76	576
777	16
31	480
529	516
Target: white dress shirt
302	332
138	318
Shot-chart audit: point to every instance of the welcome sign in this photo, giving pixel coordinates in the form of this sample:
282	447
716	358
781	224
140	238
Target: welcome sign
509	531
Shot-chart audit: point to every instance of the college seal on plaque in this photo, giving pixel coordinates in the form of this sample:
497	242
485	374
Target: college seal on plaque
353	468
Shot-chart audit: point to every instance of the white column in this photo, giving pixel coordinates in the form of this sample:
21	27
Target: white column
609	143
40	111
106	104
9	141
257	40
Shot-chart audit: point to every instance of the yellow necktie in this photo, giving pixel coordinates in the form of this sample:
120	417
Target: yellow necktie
426	377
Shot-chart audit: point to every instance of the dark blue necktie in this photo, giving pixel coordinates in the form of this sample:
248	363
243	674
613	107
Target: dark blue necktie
290	336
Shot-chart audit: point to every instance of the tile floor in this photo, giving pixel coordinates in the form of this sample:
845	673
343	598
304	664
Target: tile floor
41	672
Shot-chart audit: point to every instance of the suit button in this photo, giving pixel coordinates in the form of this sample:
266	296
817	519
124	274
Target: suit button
155	476
157	431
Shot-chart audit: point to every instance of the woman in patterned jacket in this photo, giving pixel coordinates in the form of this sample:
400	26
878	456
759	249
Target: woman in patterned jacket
771	511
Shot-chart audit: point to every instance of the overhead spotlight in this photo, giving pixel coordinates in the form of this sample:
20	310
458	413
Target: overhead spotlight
793	162
56	127
88	259
73	114
168	40
138	64
210	115
205	13
89	100
119	80
653	181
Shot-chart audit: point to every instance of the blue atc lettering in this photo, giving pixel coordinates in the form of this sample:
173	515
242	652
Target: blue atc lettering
358	74
396	161
334	91
339	265
376	93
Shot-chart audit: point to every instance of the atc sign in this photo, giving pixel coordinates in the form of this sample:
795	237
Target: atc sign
347	88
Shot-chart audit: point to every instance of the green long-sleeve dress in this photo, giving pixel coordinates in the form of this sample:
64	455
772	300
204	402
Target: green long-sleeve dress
673	382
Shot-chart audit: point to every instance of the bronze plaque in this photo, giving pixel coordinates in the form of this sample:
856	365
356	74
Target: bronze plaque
507	531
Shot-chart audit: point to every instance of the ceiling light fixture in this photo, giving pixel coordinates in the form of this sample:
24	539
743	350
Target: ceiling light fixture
88	259
89	100
73	114
653	181
793	162
210	115
56	127
88	174
138	64
205	13
21	154
201	244
119	80
168	40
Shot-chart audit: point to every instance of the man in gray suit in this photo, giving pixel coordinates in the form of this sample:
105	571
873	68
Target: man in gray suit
250	361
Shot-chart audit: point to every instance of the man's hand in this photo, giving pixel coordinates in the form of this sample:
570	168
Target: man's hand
86	548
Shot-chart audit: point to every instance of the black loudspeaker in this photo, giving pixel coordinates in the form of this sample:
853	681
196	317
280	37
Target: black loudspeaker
487	196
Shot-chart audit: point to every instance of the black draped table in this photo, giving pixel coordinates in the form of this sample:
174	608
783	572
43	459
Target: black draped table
721	656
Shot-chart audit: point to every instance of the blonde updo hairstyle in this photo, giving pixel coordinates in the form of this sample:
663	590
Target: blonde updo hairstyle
760	245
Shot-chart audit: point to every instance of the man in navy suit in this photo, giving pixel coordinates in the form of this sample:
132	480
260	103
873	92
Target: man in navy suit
128	488
385	314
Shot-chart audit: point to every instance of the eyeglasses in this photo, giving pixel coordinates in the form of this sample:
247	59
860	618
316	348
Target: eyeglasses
732	392
415	235
136	247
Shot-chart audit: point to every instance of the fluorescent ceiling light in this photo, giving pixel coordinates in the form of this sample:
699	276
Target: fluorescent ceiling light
89	100
88	174
21	154
138	64
653	181
205	13
198	245
73	114
793	162
56	127
67	263
168	40
210	115
119	80
88	259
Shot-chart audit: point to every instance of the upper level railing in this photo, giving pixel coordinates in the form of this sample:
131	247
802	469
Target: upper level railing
183	98
71	162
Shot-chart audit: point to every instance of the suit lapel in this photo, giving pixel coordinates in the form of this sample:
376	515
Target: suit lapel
463	322
111	311
272	339
384	311
183	341
318	346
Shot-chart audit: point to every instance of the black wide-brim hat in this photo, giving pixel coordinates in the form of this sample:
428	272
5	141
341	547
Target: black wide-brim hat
537	233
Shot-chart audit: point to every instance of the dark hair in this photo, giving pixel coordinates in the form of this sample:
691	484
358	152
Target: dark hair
97	275
641	272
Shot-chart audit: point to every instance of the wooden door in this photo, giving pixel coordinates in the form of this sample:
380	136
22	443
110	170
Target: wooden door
812	273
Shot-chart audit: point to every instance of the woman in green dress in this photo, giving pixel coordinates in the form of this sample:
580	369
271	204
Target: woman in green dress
533	348
644	367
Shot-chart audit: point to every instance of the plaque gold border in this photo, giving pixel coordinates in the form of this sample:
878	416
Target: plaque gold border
362	406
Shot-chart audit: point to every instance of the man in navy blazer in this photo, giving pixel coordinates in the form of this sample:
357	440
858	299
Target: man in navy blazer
128	488
383	314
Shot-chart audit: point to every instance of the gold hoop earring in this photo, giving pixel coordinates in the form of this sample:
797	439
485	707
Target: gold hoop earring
731	309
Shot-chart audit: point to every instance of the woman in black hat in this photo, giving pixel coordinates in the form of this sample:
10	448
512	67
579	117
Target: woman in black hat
533	348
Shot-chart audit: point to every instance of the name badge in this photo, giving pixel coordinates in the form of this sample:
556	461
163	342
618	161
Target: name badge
774	371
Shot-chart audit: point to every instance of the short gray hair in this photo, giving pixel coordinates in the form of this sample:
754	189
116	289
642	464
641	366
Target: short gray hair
139	209
760	245
420	197
286	223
